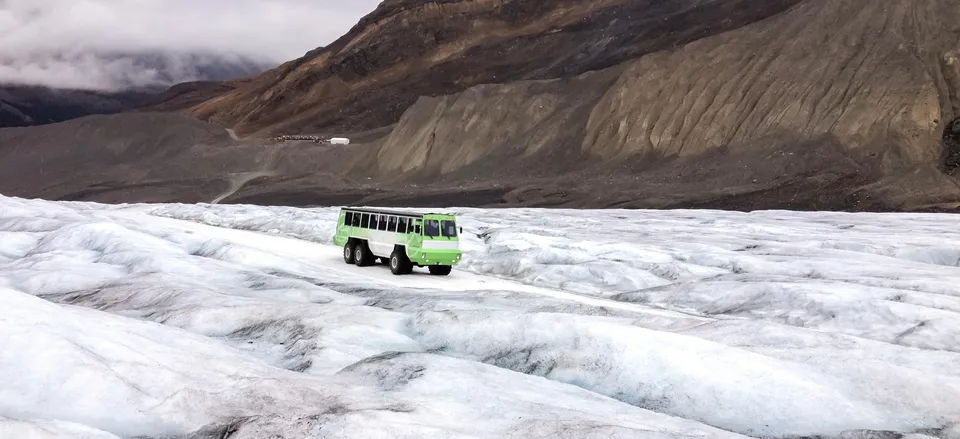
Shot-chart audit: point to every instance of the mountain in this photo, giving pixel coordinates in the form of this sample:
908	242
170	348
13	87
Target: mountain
37	105
800	104
802	109
120	82
823	104
411	48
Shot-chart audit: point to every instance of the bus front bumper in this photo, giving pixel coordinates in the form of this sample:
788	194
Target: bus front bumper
437	257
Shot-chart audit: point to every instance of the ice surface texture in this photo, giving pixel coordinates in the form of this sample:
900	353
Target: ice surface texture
210	321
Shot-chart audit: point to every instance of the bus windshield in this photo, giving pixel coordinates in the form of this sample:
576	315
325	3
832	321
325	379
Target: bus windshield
449	229
431	228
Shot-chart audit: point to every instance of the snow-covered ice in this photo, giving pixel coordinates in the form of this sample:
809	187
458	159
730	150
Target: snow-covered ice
198	321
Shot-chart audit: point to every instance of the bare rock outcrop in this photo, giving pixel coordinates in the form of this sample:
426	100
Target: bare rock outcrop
739	104
412	48
874	74
508	123
872	82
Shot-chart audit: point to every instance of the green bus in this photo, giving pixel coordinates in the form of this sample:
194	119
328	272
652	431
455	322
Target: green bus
401	239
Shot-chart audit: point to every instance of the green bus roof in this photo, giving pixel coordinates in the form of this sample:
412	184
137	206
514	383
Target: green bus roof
392	212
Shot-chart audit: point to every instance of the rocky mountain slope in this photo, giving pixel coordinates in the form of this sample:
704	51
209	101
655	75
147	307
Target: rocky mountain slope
411	48
832	103
826	104
804	104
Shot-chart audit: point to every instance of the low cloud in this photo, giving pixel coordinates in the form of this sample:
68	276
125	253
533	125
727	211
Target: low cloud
109	44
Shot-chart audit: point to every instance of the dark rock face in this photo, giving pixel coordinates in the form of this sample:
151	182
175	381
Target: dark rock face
951	141
798	104
783	93
407	49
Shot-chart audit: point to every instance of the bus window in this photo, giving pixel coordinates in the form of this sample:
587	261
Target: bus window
382	225
348	218
431	228
402	225
356	220
365	222
392	224
449	229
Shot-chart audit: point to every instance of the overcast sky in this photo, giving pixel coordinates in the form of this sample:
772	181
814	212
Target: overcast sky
59	42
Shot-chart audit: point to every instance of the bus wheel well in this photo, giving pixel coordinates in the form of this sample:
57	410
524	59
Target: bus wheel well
400	248
353	242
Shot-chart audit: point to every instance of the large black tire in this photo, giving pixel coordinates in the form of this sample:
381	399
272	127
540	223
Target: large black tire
440	270
362	256
399	263
348	252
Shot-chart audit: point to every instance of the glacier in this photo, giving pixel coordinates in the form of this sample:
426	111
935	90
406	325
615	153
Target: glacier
213	321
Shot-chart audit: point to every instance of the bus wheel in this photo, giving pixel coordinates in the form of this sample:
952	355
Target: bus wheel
362	256
348	253
440	270
400	264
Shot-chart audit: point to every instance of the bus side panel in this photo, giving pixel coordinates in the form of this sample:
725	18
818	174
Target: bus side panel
381	242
